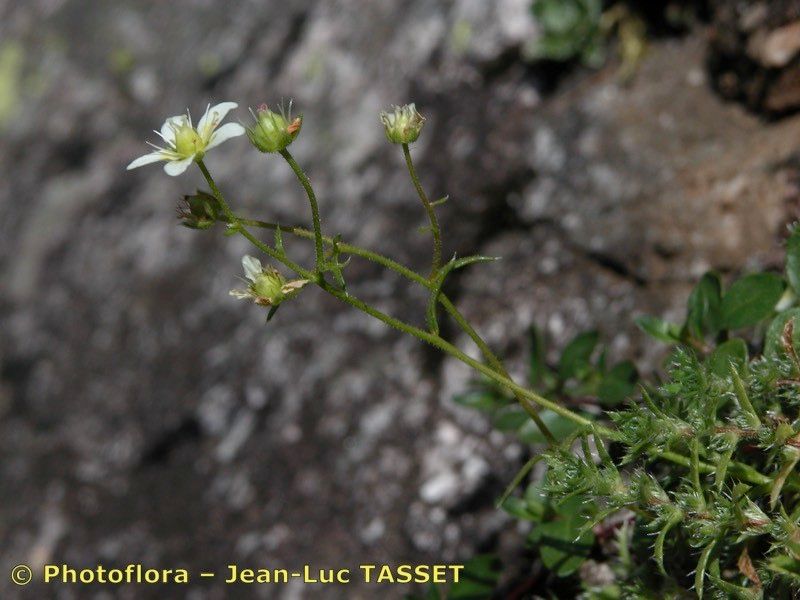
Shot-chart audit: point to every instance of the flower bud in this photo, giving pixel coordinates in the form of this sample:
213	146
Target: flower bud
273	131
199	211
403	124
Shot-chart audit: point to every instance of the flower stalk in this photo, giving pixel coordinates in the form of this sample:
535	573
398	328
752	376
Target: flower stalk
312	200
430	211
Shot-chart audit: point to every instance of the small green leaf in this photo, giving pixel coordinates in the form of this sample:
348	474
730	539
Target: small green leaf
658	547
537	366
334	266
659	329
700	572
789	459
559	426
232	229
733	351
703	310
521	474
521	508
618	384
787	567
750	299
485	400
561	544
510	419
436	289
731	590
576	356
478	579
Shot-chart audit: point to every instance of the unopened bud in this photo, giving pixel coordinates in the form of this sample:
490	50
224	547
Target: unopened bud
199	211
274	131
403	124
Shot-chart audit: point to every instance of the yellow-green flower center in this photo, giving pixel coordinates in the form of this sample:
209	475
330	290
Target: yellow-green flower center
187	141
268	285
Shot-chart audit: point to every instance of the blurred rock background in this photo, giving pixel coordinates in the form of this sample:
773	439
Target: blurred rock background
145	416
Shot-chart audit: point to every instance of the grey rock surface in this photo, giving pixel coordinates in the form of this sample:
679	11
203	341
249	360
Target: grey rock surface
145	416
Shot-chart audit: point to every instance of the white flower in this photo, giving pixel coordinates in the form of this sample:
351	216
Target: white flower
267	286
185	144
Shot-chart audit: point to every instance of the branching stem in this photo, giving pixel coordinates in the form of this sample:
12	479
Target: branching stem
496	373
449	307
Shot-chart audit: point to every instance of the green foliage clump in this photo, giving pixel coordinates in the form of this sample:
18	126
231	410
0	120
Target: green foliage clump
697	479
570	29
734	505
705	464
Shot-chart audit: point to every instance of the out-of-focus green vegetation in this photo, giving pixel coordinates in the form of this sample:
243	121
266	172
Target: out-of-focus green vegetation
11	57
589	31
570	30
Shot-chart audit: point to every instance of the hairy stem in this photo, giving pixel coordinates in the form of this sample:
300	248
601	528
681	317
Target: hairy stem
449	307
312	200
746	472
435	230
234	222
421	334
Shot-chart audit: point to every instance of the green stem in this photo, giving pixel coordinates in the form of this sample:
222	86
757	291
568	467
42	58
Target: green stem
449	307
744	471
421	334
496	364
312	200
234	221
398	268
695	469
448	348
435	230
526	468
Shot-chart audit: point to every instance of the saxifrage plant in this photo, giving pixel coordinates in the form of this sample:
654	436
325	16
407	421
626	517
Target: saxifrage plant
704	464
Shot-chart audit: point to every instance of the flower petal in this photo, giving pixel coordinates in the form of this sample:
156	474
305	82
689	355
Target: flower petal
177	167
146	160
252	267
241	294
169	127
294	286
224	133
213	117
